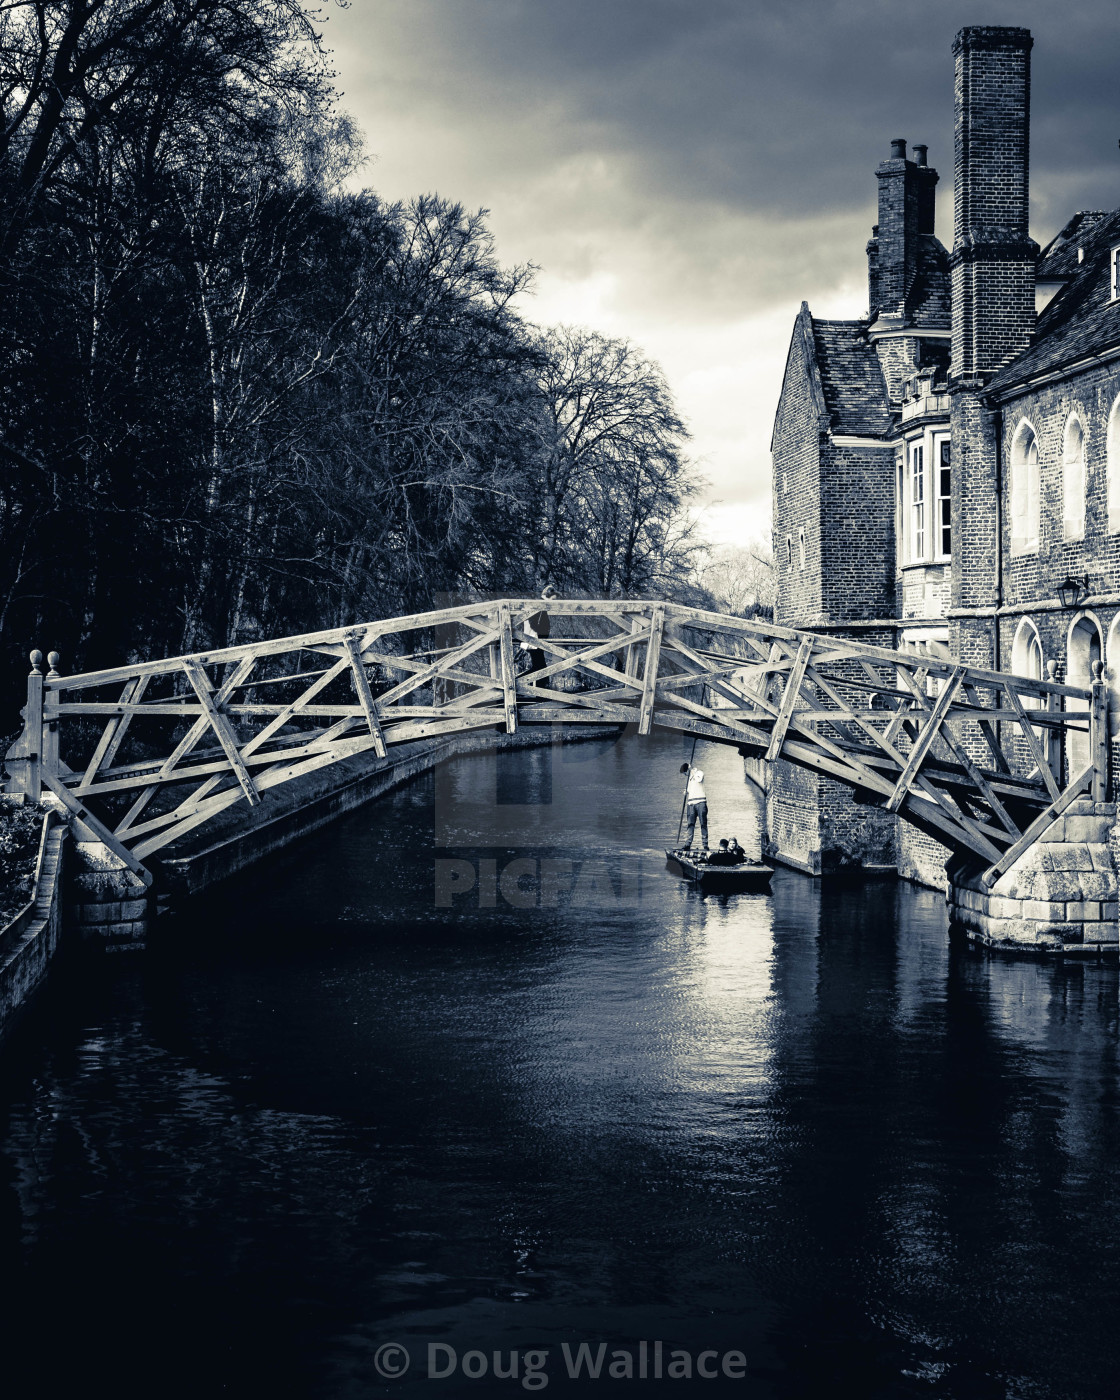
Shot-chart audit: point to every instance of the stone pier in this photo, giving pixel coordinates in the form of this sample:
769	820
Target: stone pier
1060	896
107	906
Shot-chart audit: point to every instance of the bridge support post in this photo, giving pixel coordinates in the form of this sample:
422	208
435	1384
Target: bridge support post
1055	743
1099	747
24	760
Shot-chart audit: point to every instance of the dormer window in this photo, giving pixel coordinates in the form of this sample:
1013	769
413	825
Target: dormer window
1114	263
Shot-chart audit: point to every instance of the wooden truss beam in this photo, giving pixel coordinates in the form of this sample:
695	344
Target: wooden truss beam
855	713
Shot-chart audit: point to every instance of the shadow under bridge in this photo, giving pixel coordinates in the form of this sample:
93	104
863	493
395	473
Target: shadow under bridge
143	754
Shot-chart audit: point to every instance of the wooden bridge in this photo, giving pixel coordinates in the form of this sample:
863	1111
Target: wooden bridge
144	754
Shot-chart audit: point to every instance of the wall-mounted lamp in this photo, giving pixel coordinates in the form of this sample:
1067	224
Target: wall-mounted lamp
1072	590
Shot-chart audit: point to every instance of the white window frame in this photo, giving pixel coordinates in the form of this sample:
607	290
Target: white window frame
1114	272
918	514
801	544
789	551
1073	479
922	510
943	500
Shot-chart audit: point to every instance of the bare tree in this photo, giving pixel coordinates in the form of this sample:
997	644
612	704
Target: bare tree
741	578
614	480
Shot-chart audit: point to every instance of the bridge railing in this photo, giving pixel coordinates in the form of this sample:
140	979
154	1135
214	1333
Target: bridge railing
146	753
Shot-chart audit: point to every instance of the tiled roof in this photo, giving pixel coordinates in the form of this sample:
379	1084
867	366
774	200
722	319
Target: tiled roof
1081	320
928	300
855	392
1060	256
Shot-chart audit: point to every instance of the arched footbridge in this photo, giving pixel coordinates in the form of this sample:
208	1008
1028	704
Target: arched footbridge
145	753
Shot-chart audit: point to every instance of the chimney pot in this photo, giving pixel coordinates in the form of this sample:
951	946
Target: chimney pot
920	154
898	150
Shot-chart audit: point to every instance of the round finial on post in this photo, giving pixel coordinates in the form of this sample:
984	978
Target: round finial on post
53	659
1098	667
1051	670
36	662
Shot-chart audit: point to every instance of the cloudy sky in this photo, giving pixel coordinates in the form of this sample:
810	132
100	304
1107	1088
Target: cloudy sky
686	172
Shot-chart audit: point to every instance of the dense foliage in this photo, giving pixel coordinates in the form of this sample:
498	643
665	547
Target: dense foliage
241	400
20	831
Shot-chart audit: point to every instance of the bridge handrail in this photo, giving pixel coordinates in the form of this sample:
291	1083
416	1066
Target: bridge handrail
369	632
908	730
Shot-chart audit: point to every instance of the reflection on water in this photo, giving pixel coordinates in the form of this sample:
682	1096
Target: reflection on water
331	1113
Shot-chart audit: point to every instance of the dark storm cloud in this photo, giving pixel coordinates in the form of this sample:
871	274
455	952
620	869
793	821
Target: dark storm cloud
686	171
776	107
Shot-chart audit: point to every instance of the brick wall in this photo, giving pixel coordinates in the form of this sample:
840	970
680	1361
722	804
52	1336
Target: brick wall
796	483
920	857
899	356
792	825
1090	396
925	591
974	513
858	545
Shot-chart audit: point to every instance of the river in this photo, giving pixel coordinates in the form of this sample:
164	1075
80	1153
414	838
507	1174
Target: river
393	1098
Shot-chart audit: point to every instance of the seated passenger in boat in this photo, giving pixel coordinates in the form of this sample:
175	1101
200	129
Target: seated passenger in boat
724	855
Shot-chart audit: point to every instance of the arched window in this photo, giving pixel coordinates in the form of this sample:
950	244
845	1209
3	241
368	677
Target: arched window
1024	491
1084	648
1073	481
1026	658
1113	458
1026	652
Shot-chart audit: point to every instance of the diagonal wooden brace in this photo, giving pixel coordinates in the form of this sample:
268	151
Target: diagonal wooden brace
924	742
789	699
1066	799
365	696
1037	752
99	829
114	732
653	661
221	727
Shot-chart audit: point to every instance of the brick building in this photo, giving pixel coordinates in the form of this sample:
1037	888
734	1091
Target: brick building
943	464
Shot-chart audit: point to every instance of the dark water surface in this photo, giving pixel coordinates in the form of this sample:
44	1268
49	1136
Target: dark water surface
576	1102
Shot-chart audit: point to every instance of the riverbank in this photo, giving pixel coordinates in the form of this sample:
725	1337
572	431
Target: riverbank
20	828
31	842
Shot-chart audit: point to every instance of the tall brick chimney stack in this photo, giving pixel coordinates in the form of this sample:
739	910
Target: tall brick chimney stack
993	259
905	213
